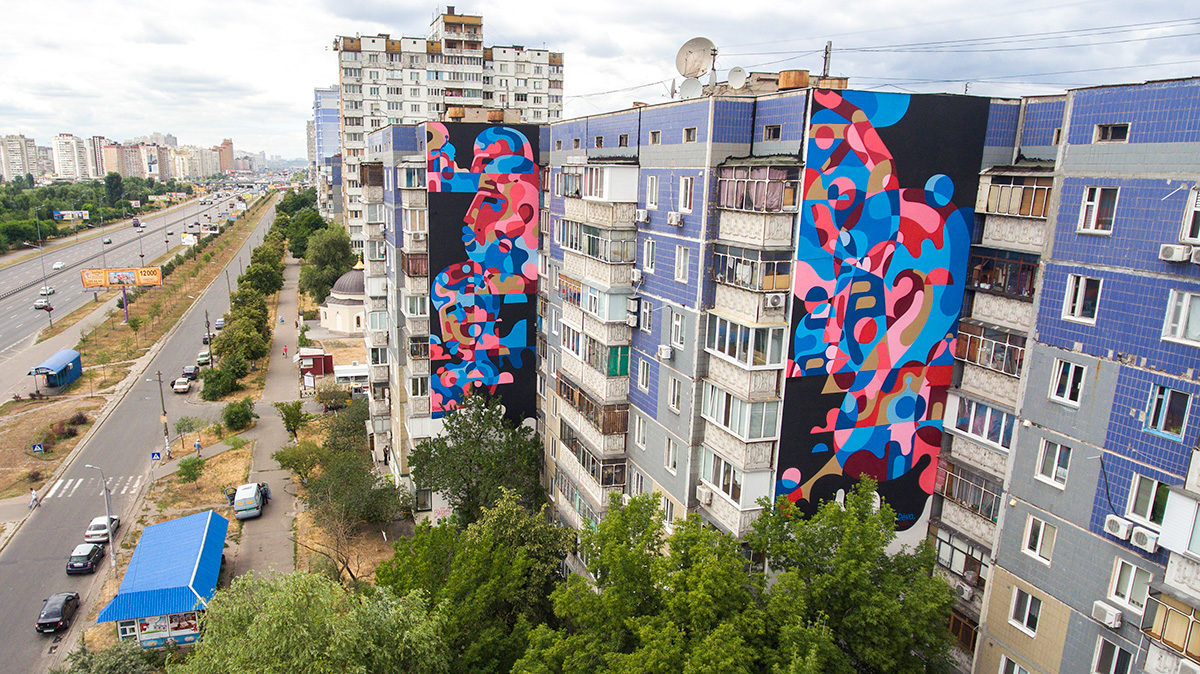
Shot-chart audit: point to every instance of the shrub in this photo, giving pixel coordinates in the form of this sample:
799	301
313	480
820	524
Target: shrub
238	415
190	469
62	430
236	442
236	365
33	475
218	384
78	419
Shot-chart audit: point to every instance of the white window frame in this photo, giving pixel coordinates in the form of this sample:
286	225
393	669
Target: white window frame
639	431
1072	309
674	394
1155	487
1010	666
668	507
418	387
656	137
687	185
637	482
1055	452
646	322
671	456
649	250
1190	233
768	136
643	377
1074	376
1121	593
652	192
677	329
1039	538
1022	622
1114	659
1100	128
682	260
1156	410
1089	210
689	134
1183	310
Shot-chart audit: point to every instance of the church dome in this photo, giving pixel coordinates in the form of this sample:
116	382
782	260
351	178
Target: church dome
350	283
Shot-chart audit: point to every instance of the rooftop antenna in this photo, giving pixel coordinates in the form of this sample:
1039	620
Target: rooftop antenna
737	77
691	88
694	59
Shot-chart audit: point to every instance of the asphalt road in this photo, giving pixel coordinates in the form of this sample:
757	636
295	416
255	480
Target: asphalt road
32	565
19	321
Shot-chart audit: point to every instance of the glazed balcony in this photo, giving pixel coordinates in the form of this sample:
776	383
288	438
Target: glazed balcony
754	229
610	214
745	456
750	385
733	519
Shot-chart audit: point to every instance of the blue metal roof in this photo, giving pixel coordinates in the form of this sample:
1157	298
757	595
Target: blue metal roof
56	362
174	569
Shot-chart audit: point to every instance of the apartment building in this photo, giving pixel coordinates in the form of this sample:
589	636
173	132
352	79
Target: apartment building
384	81
70	157
326	142
1080	578
95	155
18	157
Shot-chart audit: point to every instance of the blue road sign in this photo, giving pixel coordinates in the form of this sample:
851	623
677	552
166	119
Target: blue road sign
155	456
37	448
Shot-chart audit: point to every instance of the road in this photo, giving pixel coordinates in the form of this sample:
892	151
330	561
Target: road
32	564
19	321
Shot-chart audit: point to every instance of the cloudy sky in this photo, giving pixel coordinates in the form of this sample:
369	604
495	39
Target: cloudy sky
246	69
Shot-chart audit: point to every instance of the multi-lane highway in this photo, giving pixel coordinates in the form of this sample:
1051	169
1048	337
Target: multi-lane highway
32	564
20	283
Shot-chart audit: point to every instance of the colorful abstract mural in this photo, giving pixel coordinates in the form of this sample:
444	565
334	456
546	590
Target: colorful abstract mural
878	286
483	226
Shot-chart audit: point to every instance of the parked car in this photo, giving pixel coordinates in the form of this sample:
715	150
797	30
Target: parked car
106	241
207	338
248	499
137	223
204	357
42	303
219	324
95	532
85	558
182	385
58	265
170	232
57	612
191	371
46	290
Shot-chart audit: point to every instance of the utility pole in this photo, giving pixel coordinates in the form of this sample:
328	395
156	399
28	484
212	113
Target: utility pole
166	429
107	518
207	332
828	53
227	288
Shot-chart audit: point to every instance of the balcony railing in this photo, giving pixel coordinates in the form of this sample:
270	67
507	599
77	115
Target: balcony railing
965	489
608	419
415	264
1172	624
992	349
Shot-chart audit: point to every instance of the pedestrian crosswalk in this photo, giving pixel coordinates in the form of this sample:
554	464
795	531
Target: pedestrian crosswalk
117	485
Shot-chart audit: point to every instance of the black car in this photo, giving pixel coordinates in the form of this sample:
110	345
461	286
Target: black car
85	558
191	371
208	337
57	612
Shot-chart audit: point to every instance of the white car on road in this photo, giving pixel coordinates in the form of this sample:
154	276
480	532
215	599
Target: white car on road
182	385
96	532
57	266
46	290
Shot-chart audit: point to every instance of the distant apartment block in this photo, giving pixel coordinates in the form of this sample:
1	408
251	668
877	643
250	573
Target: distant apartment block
18	157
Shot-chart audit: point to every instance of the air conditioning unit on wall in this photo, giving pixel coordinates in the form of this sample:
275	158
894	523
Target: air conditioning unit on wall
966	592
1116	526
675	218
1107	615
635	276
775	301
1173	252
664	352
418	236
1145	539
1196	255
641	215
703	494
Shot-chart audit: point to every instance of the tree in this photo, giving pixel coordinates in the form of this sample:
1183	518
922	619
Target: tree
218	383
123	657
240	336
478	453
301	458
346	431
239	414
293	415
349	490
188	424
303	622
331	396
113	189
190	468
249	303
262	277
329	256
135	324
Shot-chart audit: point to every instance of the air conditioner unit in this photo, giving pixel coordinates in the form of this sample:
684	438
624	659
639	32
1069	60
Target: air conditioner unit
966	592
1116	526
1145	539
635	276
1106	614
675	218
1173	252
1196	255
664	352
631	320
775	300
418	236
625	499
703	494
641	215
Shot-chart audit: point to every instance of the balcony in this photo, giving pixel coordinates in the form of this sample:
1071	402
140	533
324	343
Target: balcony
750	385
415	264
1174	626
374	268
378	373
380	409
375	303
1007	312
414	196
963	450
611	214
990	384
757	230
416	242
749	307
731	518
608	445
417	407
603	273
372	194
416	327
745	456
374	231
377	338
576	473
1014	232
611	334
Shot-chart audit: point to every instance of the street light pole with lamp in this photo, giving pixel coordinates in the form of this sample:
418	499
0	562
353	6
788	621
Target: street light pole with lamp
107	518
166	428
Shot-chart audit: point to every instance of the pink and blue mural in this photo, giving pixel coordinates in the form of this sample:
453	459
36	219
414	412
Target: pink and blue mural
878	285
483	224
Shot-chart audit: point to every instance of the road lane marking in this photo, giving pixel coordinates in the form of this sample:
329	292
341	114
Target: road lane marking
137	483
78	483
50	494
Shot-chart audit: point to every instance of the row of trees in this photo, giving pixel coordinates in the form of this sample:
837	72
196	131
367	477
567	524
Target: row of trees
324	247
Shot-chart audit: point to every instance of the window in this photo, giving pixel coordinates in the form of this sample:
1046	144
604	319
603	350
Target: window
655	137
638	485
127	629
1147	500
639	431
1025	611
1039	539
1057	135
647	321
974	491
668	507
644	374
721	475
1183	317
1111	659
749	421
599	141
418	387
652	192
676	329
960	556
1112	133
558	145
758	188
772	132
682	255
685	193
674	393
985	422
1099	206
994	349
1191	218
648	251
1082	300
964	632
1168	411
752	269
623	140
1066	385
671	456
1007	666
1130	585
377	320
1053	462
689	134
575	143
1003	272
751	347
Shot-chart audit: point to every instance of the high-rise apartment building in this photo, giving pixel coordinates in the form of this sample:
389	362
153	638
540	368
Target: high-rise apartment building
95	155
225	155
70	157
45	161
449	75
326	142
18	157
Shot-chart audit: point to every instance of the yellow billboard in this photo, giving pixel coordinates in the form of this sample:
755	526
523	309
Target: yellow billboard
131	276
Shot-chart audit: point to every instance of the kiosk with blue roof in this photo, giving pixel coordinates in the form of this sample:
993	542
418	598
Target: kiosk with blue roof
60	369
170	579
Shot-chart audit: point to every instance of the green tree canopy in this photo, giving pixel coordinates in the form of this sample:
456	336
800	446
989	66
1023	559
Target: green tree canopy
478	454
293	415
113	189
328	256
242	336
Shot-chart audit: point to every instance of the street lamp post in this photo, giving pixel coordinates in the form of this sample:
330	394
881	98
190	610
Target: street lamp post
166	428
107	518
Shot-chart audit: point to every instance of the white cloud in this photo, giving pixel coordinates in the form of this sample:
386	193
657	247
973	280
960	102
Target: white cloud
246	70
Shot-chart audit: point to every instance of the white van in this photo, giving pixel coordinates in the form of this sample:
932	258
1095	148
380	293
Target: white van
249	499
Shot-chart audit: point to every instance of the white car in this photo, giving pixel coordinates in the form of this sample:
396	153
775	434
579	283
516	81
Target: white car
182	385
46	290
57	266
96	533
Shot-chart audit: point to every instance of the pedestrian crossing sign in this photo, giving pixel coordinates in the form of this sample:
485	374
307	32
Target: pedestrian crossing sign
155	456
37	448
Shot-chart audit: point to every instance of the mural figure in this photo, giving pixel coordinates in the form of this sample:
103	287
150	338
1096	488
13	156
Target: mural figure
482	297
878	285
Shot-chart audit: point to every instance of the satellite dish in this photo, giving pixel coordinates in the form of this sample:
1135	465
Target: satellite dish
691	88
737	78
695	57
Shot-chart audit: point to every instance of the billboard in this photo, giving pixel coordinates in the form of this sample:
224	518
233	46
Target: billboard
877	286
71	215
482	183
129	276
